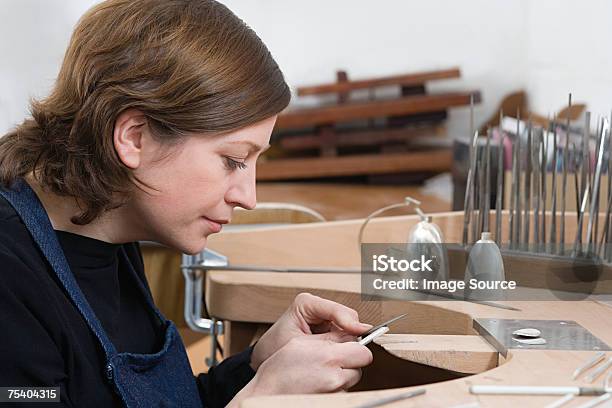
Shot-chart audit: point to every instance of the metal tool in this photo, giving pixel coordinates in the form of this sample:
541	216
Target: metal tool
537	193
365	340
475	197
608	233
595	401
527	218
564	185
544	164
596	214
597	358
596	181
605	237
584	168
536	390
578	240
517	198
553	208
487	196
387	400
469	193
564	177
576	183
384	324
500	187
599	371
481	194
513	173
560	402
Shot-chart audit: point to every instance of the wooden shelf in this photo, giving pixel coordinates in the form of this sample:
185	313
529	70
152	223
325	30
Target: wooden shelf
306	117
438	160
402	80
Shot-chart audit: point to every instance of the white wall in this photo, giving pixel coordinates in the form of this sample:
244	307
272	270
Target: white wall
568	50
500	46
33	37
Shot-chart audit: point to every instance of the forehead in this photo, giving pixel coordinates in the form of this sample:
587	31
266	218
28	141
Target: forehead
254	137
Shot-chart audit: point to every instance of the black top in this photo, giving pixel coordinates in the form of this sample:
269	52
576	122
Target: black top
44	341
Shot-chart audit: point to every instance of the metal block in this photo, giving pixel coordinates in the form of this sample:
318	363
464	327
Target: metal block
559	335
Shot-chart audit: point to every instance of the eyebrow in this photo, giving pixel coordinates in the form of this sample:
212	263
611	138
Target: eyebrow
253	147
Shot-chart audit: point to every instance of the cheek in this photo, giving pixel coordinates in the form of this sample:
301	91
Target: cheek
189	188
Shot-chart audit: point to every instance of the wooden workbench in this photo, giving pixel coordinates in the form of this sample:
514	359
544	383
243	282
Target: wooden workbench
436	347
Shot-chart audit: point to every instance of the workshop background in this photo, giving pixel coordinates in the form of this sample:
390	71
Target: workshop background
546	47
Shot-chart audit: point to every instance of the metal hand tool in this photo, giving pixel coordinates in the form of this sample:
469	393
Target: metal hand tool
576	165
605	236
597	358
578	240
584	168
537	194
599	371
487	199
482	166
564	191
365	340
564	177
528	163
560	402
469	193
536	390
528	171
553	207
500	187
543	165
596	214
608	234
596	182
513	172
517	198
595	401
384	324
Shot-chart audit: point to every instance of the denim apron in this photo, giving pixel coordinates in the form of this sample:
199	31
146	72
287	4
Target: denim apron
163	379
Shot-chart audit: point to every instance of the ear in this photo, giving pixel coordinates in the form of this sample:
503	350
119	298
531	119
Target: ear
128	135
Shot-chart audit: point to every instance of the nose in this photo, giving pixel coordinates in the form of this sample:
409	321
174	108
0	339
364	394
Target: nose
243	192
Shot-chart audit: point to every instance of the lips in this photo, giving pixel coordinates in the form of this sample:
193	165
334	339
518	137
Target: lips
215	225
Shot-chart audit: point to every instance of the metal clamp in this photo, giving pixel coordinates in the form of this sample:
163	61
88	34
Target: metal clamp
194	279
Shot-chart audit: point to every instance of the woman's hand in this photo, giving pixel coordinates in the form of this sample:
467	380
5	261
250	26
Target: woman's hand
309	364
308	315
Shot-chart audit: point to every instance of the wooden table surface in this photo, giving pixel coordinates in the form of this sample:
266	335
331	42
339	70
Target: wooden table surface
437	335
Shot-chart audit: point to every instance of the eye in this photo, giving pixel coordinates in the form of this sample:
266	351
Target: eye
232	164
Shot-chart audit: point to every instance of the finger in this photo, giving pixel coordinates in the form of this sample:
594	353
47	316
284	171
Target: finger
352	354
351	377
316	310
337	336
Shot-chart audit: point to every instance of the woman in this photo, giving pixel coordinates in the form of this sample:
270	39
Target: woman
151	132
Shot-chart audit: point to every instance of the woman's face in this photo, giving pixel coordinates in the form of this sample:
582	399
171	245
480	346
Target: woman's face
198	184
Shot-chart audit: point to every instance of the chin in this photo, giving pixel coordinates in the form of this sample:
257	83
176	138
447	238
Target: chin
193	247
186	246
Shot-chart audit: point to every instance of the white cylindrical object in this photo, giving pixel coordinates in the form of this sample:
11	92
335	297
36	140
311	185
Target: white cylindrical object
560	402
595	401
523	390
376	333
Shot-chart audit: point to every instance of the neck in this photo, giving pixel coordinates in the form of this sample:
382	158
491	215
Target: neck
115	226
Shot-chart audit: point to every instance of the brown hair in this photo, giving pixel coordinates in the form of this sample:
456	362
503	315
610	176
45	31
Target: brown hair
191	66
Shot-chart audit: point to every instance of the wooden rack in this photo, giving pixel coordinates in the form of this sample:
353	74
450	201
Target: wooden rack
373	136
